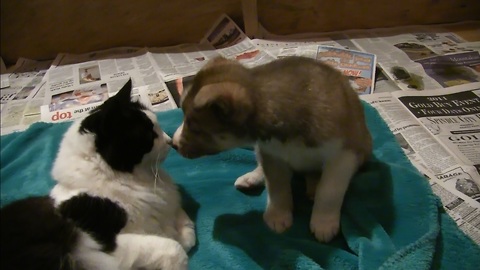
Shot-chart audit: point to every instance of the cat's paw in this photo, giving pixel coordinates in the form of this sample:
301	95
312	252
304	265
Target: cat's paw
187	236
137	251
279	220
249	180
324	227
172	257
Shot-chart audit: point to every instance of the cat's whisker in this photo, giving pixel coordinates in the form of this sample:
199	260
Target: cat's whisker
155	173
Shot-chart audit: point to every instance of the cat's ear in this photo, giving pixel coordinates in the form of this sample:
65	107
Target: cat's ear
229	101
124	94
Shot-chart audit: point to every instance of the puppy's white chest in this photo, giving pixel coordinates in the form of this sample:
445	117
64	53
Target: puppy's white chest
299	156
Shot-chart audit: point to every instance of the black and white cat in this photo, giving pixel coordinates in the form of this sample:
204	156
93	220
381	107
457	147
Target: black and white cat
112	206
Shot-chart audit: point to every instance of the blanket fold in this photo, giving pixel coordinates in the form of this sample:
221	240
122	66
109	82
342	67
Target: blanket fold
390	217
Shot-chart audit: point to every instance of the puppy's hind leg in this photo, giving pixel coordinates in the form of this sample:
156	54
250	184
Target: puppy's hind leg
329	194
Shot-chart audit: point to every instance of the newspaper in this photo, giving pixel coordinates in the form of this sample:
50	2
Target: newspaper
73	90
421	59
67	59
182	60
225	39
4	82
439	131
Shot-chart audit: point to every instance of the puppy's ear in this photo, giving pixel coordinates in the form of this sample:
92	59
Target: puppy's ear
228	100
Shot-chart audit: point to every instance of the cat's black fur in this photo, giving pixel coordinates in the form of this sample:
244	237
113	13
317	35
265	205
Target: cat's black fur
123	134
100	217
35	235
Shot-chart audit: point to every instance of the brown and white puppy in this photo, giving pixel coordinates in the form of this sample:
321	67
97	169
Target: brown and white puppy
302	115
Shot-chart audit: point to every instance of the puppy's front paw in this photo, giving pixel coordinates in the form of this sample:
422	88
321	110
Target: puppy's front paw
277	219
249	180
324	227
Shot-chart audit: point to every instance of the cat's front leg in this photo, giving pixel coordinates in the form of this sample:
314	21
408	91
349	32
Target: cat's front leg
186	230
278	214
138	251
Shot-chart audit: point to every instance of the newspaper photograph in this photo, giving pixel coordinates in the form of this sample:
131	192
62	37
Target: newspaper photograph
232	43
224	33
422	59
359	67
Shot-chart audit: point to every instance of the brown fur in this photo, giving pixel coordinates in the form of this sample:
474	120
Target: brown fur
290	98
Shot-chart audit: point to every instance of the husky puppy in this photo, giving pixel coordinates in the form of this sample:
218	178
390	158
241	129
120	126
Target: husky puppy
302	115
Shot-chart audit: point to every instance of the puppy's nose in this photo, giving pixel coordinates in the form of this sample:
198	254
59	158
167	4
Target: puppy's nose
174	146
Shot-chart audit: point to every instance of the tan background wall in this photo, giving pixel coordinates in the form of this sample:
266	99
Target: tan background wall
287	17
39	29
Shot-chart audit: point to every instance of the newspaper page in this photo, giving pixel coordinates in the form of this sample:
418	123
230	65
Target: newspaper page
4	82
294	43
460	196
281	49
225	39
359	67
75	89
453	118
68	58
182	60
420	58
21	100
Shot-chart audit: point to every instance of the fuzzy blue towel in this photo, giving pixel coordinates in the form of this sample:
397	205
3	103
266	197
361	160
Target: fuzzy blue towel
390	220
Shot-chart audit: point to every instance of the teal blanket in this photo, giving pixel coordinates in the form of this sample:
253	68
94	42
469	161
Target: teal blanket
390	219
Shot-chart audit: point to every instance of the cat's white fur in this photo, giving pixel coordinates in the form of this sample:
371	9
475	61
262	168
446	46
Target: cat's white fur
158	232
